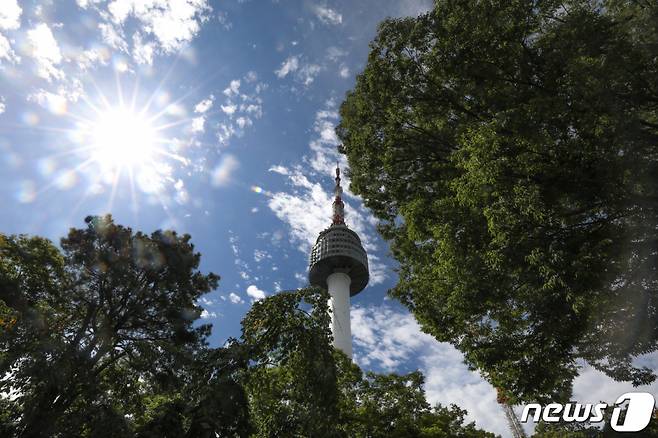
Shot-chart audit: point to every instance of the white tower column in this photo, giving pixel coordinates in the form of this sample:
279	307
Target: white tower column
338	285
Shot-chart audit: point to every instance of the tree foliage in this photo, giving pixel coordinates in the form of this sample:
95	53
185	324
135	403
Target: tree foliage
113	312
395	406
510	150
292	382
102	339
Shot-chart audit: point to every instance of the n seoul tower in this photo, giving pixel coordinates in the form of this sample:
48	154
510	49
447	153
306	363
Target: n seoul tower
339	264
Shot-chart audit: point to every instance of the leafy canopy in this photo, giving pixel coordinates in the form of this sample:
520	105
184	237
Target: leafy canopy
510	150
102	339
92	327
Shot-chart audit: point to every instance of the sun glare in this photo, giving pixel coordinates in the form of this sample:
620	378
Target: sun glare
124	149
121	139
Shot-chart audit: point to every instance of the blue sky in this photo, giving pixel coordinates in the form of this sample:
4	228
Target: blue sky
237	101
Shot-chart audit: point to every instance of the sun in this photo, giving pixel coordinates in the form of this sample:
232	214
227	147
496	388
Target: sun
129	149
122	138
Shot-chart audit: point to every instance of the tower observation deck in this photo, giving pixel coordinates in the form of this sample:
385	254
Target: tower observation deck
339	264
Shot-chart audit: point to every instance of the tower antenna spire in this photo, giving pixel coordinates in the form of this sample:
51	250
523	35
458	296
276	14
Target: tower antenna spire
338	205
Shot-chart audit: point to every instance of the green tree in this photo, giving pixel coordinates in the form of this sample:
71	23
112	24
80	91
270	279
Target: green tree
95	326
299	386
510	150
101	339
395	406
292	383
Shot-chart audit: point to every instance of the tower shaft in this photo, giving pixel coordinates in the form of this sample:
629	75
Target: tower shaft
338	285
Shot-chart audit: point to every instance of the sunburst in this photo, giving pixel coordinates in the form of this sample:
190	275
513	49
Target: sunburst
122	138
131	148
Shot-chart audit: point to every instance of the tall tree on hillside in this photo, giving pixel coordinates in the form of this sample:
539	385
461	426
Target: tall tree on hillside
510	149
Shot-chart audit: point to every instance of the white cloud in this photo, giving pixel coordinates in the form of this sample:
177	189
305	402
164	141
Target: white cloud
204	105
229	109
344	72
113	36
223	20
198	124
234	240
6	52
307	209
182	196
260	255
142	51
391	340
243	122
327	15
84	3
10	15
307	213
207	315
241	264
308	73
172	22
87	58
55	103
304	73
10	19
225	132
163	26
324	147
592	386
290	65
412	8
448	380
207	301
2	105
255	109
251	76
255	293
221	175
242	114
235	298
335	53
386	338
280	170
233	89
45	51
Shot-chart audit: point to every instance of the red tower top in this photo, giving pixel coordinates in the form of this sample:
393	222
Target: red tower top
338	206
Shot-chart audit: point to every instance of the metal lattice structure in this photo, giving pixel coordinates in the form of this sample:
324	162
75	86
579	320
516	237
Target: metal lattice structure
513	422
